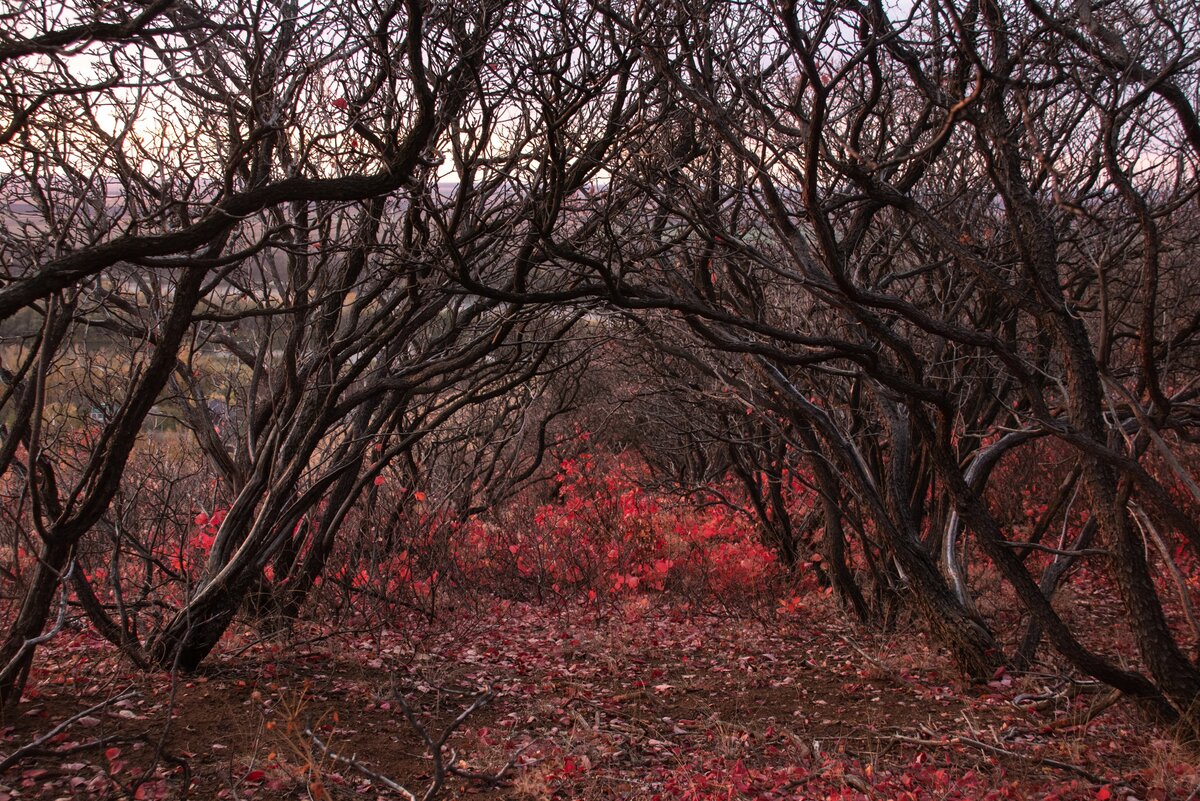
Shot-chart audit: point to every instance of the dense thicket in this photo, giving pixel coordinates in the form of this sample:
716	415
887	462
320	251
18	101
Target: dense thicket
842	264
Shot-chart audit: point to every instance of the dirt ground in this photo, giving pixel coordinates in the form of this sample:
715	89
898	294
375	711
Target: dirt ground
584	702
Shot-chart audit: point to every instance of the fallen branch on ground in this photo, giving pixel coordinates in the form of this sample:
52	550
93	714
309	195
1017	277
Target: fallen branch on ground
354	764
942	740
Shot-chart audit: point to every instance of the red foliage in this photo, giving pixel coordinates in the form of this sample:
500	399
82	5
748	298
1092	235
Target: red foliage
606	535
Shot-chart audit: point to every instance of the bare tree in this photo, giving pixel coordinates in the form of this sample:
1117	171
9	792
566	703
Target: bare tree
917	242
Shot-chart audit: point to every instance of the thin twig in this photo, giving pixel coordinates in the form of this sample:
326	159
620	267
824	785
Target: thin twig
492	779
59	621
34	746
436	746
995	749
1036	546
436	750
352	762
1147	527
861	652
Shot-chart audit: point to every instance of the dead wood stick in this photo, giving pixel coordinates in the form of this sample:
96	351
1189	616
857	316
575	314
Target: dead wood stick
995	749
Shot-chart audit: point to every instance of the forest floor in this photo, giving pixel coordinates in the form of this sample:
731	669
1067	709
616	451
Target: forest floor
627	701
